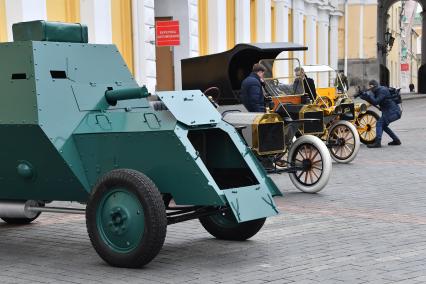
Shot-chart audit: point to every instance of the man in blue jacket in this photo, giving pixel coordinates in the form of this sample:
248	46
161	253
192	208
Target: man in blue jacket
380	96
251	90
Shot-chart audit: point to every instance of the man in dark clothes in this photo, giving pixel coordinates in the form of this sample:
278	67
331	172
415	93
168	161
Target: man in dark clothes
251	90
308	83
380	96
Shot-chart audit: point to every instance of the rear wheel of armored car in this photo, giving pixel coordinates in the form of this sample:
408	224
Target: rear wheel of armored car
224	226
310	164
343	142
366	126
126	219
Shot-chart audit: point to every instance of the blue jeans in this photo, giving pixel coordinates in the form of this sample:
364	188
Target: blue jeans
383	125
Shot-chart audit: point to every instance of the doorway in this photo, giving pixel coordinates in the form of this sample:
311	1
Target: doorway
164	64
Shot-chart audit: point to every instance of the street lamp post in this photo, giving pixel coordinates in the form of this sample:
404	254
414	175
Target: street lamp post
388	44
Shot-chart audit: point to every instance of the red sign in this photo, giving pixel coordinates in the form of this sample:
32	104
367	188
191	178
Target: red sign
167	33
405	67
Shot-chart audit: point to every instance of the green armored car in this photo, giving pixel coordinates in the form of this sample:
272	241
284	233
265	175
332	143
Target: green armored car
75	126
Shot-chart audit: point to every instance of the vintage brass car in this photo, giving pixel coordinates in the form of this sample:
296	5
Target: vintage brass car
331	94
292	97
270	136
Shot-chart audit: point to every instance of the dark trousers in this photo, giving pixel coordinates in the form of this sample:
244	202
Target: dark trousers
383	125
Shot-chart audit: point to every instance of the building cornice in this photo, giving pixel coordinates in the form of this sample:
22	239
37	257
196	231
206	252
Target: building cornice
359	2
323	15
287	3
311	10
337	13
314	2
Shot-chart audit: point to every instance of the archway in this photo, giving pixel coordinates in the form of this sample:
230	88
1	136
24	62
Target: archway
384	74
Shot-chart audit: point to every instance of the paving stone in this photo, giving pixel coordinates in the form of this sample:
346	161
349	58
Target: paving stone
367	226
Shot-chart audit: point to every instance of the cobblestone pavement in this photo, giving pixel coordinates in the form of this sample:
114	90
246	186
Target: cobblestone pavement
367	226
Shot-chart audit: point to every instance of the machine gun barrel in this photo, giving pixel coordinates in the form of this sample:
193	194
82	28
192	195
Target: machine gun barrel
112	96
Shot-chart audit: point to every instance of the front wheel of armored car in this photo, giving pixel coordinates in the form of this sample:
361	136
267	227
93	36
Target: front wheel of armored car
310	164
366	126
224	226
343	142
126	219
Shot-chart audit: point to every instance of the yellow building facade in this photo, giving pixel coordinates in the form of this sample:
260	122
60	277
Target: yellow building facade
206	27
358	43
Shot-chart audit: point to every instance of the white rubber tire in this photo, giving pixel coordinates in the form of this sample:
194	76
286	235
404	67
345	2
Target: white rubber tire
356	142
326	163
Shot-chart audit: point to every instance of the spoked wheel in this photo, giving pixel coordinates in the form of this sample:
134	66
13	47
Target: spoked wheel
366	126
224	226
343	141
310	164
126	219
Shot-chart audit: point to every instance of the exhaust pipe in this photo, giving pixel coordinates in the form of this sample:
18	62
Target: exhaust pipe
18	209
29	209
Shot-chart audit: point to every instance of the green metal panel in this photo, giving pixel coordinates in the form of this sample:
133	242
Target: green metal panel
202	110
52	178
50	31
18	101
97	67
241	201
90	97
251	160
168	164
125	122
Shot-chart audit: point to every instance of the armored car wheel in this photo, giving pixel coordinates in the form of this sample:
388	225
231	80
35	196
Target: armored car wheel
224	226
343	142
310	164
366	126
126	219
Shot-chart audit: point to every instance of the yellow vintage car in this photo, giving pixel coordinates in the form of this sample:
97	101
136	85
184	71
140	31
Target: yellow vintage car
298	96
329	95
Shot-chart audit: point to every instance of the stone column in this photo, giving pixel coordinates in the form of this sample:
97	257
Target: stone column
144	43
281	28
96	14
298	32
311	34
323	27
217	25
361	32
424	37
242	25
263	25
334	41
22	11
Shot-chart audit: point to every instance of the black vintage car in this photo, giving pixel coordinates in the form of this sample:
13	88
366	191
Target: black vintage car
270	135
225	72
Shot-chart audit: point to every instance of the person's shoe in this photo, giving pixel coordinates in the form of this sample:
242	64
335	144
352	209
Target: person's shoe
395	143
376	144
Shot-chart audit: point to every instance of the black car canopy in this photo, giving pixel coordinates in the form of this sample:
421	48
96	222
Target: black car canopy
226	70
